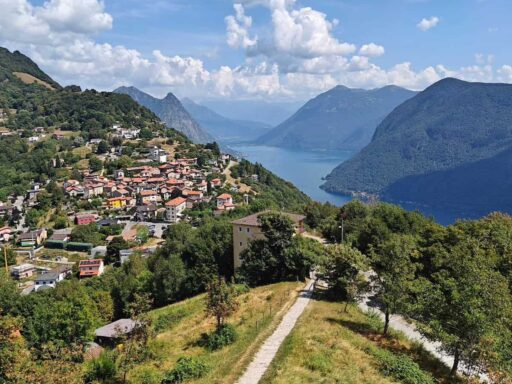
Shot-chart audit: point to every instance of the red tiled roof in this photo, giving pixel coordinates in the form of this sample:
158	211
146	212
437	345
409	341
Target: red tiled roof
224	196
175	202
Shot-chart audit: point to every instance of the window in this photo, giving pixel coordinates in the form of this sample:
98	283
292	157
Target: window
248	230
240	229
241	244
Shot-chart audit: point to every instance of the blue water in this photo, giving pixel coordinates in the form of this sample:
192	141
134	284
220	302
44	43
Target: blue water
305	169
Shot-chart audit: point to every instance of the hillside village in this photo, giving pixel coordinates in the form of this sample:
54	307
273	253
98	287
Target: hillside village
139	201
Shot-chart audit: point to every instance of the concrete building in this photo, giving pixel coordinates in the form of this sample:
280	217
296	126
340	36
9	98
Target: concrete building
91	268
174	209
51	278
248	229
22	271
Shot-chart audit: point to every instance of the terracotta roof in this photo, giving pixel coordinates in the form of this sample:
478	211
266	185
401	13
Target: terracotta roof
148	193
175	202
253	221
224	196
90	263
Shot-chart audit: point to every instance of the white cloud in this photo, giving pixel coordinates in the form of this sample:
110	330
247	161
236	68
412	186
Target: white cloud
426	24
372	50
296	57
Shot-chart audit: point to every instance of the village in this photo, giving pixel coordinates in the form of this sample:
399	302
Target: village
136	203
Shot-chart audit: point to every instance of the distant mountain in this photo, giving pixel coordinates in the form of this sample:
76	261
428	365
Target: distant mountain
342	118
270	112
171	112
222	128
449	146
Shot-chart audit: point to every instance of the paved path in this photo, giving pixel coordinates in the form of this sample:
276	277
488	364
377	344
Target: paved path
268	350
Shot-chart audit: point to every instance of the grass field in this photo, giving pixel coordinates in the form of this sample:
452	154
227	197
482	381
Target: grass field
330	346
180	327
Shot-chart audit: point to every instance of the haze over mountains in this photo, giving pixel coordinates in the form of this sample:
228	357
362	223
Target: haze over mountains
171	112
341	118
222	128
449	146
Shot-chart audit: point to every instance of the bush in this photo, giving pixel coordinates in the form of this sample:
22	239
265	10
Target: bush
102	369
186	368
401	368
220	338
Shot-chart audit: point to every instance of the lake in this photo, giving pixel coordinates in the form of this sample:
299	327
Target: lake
305	169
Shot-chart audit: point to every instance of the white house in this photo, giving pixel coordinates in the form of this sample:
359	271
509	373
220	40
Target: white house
51	278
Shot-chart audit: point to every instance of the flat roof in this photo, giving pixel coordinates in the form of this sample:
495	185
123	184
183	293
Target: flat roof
252	220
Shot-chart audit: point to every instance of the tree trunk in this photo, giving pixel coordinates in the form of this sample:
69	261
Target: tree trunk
455	366
346	306
386	321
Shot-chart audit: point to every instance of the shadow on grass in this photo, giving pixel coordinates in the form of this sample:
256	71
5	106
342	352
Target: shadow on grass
415	351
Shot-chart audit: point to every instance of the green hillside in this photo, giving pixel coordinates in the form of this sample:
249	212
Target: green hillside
447	127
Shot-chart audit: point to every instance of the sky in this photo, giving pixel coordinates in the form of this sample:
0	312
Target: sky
270	50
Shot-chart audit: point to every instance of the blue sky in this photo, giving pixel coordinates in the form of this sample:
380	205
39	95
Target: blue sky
261	49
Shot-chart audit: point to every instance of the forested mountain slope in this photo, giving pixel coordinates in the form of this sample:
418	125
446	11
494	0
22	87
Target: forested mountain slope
342	118
438	147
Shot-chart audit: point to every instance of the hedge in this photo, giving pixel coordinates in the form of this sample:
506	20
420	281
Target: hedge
55	244
79	247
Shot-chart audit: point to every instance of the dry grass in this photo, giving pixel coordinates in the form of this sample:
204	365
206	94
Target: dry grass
29	79
259	314
330	346
82	151
243	188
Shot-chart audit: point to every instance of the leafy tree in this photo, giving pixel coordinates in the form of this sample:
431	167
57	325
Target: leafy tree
280	256
167	280
87	234
102	369
466	305
145	134
220	301
95	164
102	147
343	271
117	244
13	353
395	270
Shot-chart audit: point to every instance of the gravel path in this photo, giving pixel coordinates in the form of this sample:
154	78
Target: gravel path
268	350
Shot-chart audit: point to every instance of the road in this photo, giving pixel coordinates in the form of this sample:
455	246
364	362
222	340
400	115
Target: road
19	205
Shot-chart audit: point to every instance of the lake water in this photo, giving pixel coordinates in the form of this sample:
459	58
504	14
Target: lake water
305	169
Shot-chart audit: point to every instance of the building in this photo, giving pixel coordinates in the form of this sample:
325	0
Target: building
33	238
158	155
225	201
51	278
111	334
146	213
5	234
150	197
174	209
22	271
248	229
85	219
91	268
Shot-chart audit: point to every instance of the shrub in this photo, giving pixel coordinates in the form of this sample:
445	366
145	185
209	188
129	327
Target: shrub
102	369
187	368
221	337
401	368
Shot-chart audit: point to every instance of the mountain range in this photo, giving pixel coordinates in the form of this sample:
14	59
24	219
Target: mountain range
449	146
341	118
171	112
225	130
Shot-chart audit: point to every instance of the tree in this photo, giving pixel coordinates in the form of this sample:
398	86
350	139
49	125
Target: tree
13	353
343	271
102	147
280	256
95	164
146	134
102	369
117	244
10	257
220	301
395	270
466	304
167	280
